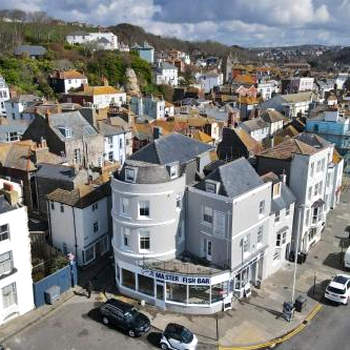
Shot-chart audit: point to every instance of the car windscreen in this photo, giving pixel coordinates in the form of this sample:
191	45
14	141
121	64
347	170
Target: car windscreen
336	290
186	335
130	315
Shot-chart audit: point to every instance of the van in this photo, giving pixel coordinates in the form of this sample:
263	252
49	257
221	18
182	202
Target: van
347	258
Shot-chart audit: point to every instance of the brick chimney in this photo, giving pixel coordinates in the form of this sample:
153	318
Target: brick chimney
10	194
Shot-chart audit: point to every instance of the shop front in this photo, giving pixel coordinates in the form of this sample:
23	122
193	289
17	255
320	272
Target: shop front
187	293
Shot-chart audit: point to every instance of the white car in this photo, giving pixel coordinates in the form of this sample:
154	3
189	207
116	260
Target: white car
178	337
338	289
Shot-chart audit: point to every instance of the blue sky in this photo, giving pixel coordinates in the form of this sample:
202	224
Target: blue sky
233	22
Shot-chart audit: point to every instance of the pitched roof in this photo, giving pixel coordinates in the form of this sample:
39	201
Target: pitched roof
201	136
172	148
286	149
236	178
255	124
313	140
69	74
81	197
31	50
249	142
73	121
336	157
272	116
299	97
97	90
109	130
56	171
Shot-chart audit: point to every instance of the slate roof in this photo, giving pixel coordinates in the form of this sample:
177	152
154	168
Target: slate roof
272	116
165	65
171	148
19	126
74	121
285	199
31	50
313	140
255	124
286	149
109	130
81	197
56	171
236	178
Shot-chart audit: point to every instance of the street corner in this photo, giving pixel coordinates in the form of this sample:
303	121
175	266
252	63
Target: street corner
267	344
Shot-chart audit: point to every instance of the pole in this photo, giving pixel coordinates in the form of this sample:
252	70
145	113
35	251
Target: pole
296	252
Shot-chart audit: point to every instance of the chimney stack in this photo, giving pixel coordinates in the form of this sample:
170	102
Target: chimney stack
10	194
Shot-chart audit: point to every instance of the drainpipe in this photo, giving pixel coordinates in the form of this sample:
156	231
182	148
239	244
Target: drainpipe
75	235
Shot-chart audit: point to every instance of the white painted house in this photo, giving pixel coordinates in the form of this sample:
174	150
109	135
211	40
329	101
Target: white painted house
16	106
166	73
4	96
209	80
150	106
63	81
104	41
79	221
16	284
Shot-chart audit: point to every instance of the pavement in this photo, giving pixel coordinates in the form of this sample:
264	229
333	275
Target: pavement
253	321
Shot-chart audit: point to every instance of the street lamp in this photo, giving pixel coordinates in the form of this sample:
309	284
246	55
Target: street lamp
300	207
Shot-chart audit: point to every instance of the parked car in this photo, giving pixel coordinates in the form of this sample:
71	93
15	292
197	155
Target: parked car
338	289
124	316
178	337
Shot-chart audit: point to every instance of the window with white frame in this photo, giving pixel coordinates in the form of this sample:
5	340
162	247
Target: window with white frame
179	201
277	216
144	240
4	232
9	295
77	156
281	238
130	175
276	254
124	206
207	215
261	207
95	227
89	254
144	208
210	187
260	235
276	190
6	263
173	171
125	237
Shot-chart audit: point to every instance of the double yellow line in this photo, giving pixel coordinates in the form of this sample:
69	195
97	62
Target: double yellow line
281	339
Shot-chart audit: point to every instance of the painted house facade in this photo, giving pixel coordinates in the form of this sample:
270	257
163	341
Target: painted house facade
16	284
4	96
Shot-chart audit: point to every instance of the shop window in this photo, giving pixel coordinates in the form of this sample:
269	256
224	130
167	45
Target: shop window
219	291
176	292
146	285
199	295
128	279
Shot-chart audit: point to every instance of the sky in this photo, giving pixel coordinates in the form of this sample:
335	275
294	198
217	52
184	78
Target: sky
233	22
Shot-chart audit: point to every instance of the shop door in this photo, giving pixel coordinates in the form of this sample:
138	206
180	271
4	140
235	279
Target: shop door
160	294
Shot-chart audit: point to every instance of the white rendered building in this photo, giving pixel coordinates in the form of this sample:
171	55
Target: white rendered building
4	95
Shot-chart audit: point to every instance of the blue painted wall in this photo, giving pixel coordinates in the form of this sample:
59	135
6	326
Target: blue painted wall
64	278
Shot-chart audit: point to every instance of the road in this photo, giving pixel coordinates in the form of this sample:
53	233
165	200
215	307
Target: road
328	330
74	327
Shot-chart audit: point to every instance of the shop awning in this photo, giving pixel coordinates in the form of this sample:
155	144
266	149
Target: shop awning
319	203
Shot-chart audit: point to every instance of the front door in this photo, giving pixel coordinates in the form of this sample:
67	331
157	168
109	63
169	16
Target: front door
160	294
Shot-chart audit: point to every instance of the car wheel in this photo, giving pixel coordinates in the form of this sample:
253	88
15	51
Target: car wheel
105	320
131	333
164	346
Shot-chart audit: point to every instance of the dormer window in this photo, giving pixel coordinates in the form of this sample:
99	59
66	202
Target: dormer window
211	186
276	190
130	175
173	170
66	132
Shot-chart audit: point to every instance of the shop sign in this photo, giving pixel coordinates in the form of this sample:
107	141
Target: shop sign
169	277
